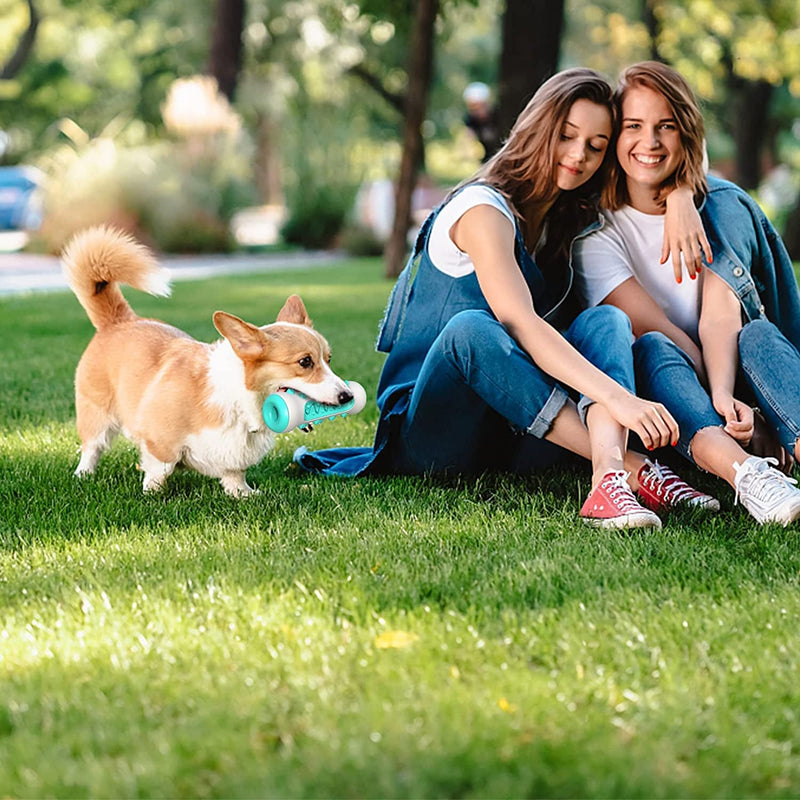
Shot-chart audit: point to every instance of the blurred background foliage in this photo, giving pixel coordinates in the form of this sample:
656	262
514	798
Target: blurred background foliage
307	99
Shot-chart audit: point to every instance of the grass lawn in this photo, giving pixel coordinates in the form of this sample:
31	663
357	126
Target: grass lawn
372	638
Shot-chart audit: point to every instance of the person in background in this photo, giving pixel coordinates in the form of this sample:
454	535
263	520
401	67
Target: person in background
481	118
490	366
709	347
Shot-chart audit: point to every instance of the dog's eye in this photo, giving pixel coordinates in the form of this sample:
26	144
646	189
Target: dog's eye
306	362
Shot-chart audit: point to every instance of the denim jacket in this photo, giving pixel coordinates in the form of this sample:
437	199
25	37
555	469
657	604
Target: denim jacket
751	258
422	302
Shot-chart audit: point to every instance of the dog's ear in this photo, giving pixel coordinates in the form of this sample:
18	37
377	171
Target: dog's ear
294	311
246	340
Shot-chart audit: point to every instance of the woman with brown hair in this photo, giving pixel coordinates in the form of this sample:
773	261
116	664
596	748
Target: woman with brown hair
485	347
691	340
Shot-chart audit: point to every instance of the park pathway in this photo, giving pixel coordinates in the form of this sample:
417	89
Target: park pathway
21	273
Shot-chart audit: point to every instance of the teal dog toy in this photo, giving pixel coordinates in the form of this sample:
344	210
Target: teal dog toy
285	410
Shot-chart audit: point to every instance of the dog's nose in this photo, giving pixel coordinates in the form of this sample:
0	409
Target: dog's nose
345	396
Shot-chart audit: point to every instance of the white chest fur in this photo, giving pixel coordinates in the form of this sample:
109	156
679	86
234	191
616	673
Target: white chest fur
243	438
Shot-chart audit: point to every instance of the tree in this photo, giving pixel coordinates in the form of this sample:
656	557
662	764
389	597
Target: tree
419	77
225	60
748	122
101	60
379	66
531	45
396	100
651	22
24	47
792	234
607	35
734	53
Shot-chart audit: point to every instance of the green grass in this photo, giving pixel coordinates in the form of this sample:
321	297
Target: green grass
373	638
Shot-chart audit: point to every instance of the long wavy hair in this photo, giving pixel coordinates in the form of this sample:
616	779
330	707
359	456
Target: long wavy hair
688	117
523	170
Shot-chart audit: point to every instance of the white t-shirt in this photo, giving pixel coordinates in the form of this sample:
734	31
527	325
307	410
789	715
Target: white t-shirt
629	245
443	252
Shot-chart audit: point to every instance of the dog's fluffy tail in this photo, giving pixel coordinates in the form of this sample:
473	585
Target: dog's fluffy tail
96	260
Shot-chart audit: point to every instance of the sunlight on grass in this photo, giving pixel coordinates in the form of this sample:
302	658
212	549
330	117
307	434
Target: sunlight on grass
52	438
406	637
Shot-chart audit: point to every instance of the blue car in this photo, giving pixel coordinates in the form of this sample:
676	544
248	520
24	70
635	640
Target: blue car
20	198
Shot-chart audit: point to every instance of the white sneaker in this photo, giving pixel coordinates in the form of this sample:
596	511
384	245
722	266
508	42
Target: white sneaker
768	494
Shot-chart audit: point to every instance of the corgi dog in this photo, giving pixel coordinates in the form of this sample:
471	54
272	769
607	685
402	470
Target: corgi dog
181	401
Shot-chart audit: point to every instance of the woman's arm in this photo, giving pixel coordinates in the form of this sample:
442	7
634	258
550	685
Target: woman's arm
646	315
488	237
720	323
684	234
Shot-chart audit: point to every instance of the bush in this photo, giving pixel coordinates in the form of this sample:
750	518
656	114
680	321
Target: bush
174	196
320	176
359	240
315	216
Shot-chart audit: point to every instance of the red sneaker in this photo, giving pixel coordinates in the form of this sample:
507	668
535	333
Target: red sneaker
662	490
611	504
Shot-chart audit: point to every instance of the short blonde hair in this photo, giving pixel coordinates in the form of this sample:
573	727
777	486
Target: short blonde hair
671	85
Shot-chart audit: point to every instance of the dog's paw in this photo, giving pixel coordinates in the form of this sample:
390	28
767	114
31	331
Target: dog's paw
87	465
236	486
241	494
244	495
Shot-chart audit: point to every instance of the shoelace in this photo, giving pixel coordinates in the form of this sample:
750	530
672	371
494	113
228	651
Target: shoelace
673	488
616	485
765	479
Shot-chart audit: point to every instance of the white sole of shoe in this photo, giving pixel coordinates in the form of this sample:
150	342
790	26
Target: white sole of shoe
624	522
785	514
712	504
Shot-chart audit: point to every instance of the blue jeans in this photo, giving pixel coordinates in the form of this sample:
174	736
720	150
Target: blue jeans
478	393
664	373
771	366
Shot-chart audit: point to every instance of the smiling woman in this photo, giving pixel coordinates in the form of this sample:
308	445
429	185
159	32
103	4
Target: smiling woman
649	145
490	366
692	351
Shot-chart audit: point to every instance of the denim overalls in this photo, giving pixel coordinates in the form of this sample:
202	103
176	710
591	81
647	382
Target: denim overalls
457	393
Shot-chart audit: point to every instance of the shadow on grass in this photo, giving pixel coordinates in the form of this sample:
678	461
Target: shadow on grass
492	544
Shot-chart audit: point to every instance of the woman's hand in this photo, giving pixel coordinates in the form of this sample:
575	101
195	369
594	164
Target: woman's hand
684	234
653	424
739	420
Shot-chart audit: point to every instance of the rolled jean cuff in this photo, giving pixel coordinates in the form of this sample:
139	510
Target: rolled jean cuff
550	410
583	407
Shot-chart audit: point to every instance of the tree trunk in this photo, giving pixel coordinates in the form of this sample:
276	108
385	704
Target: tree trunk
531	33
225	58
268	165
651	22
24	46
397	101
749	119
791	234
419	79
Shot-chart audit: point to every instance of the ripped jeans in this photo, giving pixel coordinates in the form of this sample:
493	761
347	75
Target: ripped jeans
771	366
480	402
